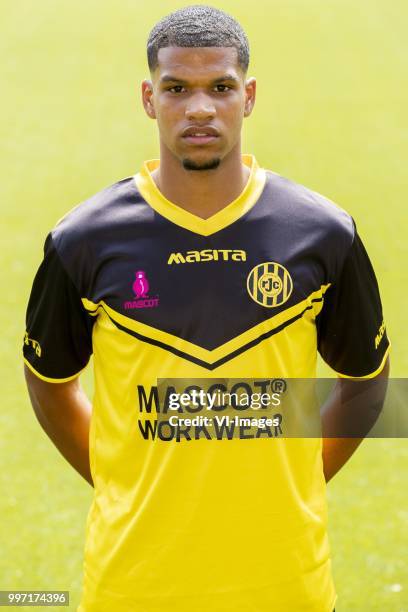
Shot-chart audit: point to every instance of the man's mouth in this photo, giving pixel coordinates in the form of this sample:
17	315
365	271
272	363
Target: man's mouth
200	138
200	135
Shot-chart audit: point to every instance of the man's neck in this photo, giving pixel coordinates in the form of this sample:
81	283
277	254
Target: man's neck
201	192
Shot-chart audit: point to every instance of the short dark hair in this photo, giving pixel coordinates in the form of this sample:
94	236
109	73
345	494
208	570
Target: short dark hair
198	25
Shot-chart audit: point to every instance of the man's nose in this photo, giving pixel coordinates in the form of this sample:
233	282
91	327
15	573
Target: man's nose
200	106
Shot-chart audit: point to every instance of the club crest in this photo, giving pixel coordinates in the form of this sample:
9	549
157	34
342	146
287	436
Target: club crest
269	284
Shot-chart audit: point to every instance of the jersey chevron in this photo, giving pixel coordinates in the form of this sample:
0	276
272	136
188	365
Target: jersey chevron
211	359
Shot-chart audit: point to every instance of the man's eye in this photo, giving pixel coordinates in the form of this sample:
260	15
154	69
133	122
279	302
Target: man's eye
222	88
176	88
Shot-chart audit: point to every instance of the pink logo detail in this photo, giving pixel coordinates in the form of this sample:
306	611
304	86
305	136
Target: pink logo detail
140	285
141	289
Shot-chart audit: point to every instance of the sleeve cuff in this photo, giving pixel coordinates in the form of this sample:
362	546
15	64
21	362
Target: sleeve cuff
372	374
53	380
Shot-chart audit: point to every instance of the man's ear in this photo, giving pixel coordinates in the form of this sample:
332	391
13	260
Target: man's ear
147	98
250	95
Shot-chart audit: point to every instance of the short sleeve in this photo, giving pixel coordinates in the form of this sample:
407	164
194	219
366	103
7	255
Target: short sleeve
58	339
351	332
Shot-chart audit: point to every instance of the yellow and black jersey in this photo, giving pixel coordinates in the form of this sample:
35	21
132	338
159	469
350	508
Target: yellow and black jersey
154	292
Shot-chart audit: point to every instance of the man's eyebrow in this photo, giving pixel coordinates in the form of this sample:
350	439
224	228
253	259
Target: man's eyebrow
166	78
226	77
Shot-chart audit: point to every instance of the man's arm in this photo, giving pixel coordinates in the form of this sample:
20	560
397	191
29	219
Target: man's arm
351	411
64	412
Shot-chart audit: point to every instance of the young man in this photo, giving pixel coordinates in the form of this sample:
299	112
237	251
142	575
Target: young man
202	266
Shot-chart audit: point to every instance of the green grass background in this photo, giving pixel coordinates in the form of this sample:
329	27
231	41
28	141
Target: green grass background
331	114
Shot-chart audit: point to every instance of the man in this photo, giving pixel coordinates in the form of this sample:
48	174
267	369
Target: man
202	266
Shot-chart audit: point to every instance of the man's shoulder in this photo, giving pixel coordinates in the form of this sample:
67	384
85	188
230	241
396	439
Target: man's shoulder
94	228
95	213
298	199
310	211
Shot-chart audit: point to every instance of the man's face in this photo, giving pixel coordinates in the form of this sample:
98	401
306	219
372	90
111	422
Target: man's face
199	97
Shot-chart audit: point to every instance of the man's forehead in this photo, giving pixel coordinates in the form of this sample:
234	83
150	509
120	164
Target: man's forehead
193	60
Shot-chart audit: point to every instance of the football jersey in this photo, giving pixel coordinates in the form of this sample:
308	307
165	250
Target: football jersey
195	519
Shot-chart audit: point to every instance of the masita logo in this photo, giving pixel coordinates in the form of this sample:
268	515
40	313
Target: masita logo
269	284
140	288
380	335
33	343
207	255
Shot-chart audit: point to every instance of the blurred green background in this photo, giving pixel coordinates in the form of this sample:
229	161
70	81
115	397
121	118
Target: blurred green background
331	113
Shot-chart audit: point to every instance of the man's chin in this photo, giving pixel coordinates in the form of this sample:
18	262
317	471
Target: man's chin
209	164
